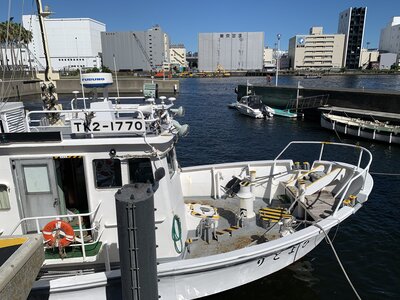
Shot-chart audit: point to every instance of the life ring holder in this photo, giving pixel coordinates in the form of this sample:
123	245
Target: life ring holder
58	233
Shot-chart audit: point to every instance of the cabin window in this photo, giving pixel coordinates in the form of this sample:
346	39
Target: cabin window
36	179
4	201
171	161
107	173
140	170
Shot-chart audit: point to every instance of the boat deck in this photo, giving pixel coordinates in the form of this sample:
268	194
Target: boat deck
320	205
229	235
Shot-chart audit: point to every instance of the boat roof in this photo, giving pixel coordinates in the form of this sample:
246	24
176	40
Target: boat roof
103	121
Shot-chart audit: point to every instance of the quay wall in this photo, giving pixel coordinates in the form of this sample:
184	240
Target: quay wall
377	100
20	88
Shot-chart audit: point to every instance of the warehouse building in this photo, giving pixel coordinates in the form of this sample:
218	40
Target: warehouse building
231	51
389	44
136	50
316	51
73	42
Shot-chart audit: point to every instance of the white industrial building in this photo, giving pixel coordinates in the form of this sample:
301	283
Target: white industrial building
73	42
316	51
177	56
231	51
389	42
136	50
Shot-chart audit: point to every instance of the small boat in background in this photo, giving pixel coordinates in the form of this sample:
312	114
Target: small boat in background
285	113
372	130
312	76
253	106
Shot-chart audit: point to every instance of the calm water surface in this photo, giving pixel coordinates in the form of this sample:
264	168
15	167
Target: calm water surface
367	243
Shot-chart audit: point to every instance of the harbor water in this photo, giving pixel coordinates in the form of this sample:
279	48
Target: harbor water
368	243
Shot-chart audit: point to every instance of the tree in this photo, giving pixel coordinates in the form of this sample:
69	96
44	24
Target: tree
17	37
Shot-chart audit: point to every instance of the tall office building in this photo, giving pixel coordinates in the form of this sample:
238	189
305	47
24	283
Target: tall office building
352	24
231	51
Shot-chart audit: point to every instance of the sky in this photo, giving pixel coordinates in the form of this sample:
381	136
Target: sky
183	20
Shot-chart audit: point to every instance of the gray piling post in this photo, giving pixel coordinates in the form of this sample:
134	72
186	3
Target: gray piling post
137	242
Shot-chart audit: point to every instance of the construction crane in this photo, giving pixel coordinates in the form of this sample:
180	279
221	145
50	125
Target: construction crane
143	51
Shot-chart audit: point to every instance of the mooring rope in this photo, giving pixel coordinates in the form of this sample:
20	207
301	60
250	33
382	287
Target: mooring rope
386	174
338	259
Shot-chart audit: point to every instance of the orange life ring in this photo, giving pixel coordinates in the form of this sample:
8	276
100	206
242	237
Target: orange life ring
58	233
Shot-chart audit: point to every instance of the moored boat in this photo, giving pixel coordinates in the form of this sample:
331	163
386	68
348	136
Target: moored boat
372	130
252	106
238	221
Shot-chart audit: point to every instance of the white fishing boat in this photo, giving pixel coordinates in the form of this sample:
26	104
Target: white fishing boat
372	130
236	221
215	227
252	106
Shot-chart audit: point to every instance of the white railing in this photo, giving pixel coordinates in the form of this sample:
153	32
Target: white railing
346	186
78	242
69	115
116	100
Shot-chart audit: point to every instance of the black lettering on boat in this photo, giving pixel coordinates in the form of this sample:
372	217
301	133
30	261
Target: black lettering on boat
260	261
292	249
78	126
130	124
96	126
138	125
120	125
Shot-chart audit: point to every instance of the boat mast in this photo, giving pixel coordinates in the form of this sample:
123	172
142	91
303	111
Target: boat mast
48	73
48	87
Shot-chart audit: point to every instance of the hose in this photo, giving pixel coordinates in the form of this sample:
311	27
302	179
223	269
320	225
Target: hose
177	235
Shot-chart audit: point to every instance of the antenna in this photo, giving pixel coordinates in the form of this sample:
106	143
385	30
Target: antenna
116	75
80	74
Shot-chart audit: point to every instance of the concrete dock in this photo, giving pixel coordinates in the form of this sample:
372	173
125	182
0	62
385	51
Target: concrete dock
376	100
20	261
132	85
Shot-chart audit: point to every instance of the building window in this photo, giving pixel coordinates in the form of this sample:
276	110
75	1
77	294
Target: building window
233	35
239	35
107	173
221	35
227	35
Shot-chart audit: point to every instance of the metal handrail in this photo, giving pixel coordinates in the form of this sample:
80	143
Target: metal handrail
329	143
102	98
92	216
351	180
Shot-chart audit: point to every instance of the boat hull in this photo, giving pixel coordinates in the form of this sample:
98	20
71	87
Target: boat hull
248	111
183	284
